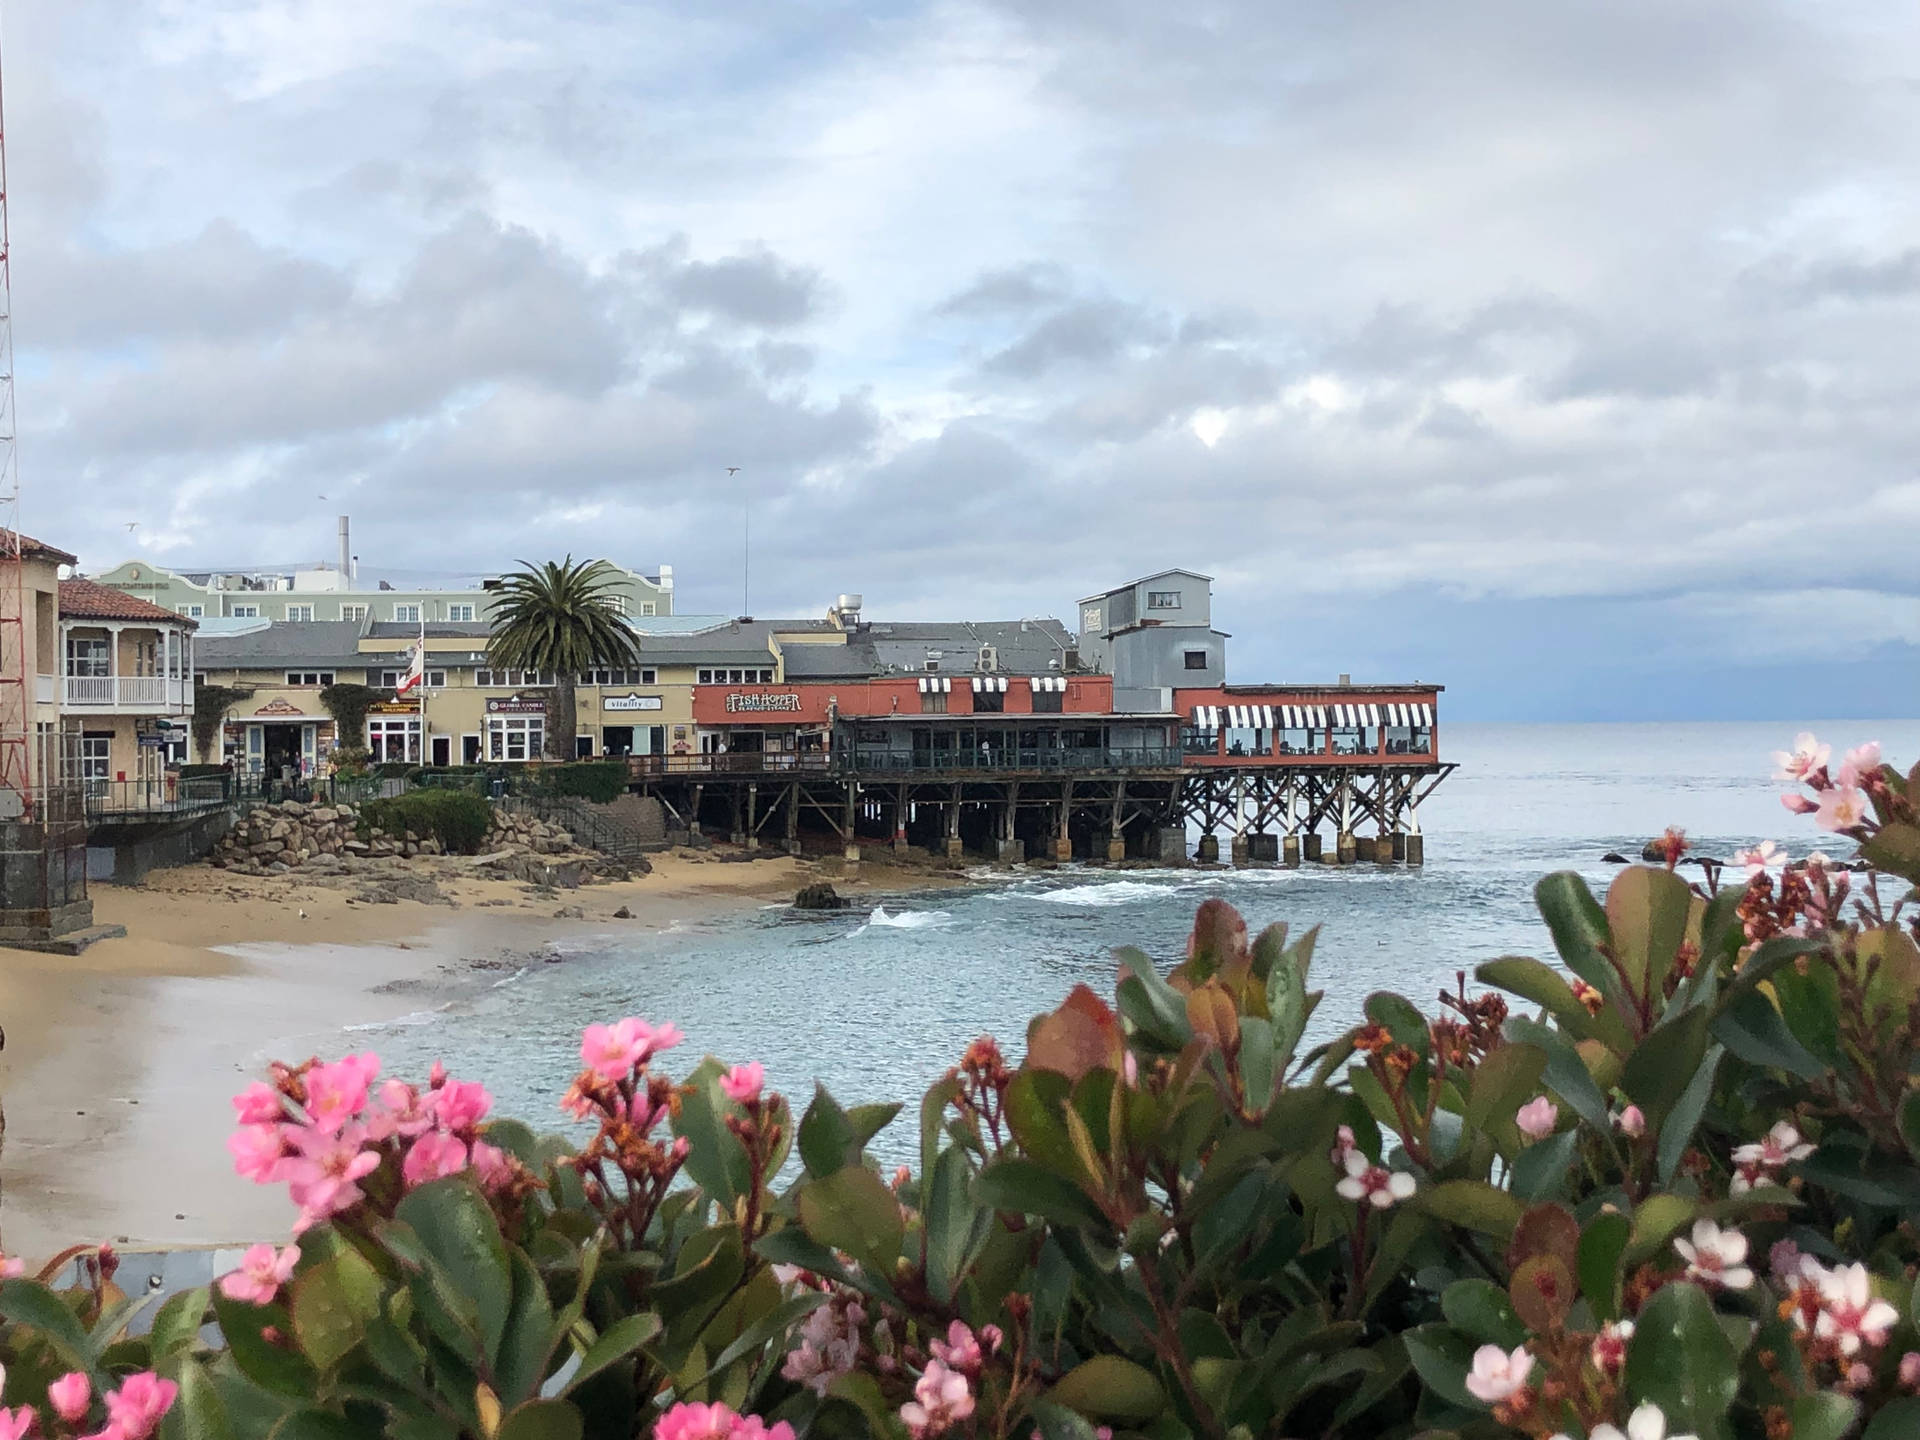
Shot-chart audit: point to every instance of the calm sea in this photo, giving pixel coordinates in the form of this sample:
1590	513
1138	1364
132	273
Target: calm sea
876	1004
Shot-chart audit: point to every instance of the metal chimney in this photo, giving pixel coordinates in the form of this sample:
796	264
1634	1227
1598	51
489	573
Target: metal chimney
346	555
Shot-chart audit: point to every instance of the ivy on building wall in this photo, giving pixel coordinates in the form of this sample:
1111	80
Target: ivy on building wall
210	706
348	705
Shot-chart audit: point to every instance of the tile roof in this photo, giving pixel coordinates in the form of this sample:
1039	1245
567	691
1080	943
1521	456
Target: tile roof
31	546
85	600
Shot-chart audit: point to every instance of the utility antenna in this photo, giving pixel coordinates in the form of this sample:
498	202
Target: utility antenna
16	701
746	542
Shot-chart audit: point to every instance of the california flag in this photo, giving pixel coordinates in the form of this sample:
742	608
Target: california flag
416	668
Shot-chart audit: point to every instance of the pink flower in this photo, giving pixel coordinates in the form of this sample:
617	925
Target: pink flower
1536	1118
1807	756
665	1037
1497	1375
15	1424
12	1267
134	1410
1799	804
257	1151
1841	807
612	1051
1849	1315
960	1350
992	1336
70	1395
1759	1162
752	1427
1609	1349
1783	1261
437	1076
320	1176
1761	858
642	1113
1910	1370
406	1112
262	1272
1859	764
742	1083
259	1104
694	1421
461	1104
1343	1146
1715	1256
1374	1184
490	1166
434	1156
941	1399
337	1093
1631	1122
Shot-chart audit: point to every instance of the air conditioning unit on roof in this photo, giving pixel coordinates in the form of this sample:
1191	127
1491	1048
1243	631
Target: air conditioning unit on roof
989	658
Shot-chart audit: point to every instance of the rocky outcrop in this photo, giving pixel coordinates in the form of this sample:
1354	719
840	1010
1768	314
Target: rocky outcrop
820	896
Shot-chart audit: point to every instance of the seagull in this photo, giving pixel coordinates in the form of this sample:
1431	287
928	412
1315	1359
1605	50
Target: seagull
733	469
132	525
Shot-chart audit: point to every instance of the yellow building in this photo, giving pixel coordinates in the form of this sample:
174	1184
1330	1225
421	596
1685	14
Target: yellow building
125	684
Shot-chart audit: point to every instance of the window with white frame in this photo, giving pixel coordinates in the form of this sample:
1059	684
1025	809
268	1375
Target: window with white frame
353	612
309	677
511	679
616	675
515	737
300	612
1163	599
394	738
406	614
647	608
748	676
245	612
432	679
192	612
460	611
96	756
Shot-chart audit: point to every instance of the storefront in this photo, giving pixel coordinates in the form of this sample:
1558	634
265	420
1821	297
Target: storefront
279	739
630	727
393	733
516	729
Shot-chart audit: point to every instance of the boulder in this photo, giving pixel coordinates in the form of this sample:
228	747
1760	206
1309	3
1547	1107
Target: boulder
820	896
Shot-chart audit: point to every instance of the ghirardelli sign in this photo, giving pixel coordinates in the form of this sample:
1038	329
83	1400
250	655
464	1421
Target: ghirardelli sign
760	704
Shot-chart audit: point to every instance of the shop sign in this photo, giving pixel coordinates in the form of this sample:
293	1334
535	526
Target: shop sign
279	707
786	701
514	705
630	702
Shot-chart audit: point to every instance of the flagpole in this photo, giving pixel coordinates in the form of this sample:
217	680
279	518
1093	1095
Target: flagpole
422	759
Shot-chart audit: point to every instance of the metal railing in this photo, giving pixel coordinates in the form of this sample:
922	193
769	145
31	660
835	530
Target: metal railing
580	819
811	762
159	797
1101	757
153	690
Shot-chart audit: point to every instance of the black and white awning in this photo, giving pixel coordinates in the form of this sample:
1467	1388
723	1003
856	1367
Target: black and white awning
989	684
936	685
1206	717
1409	714
1050	684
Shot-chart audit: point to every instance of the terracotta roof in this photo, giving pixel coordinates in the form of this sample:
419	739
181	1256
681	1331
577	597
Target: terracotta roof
40	548
85	600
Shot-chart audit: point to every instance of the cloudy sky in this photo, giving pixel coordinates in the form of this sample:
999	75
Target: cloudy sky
1563	353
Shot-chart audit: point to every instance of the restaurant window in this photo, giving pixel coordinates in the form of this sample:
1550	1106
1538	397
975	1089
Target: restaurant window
1249	740
300	613
1195	659
1347	740
1199	740
309	677
461	612
515	737
934	703
406	614
353	612
394	739
1163	599
1297	740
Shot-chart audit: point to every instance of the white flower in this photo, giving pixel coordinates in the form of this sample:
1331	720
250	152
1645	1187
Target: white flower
1646	1423
1761	858
1715	1257
1496	1375
1372	1183
1849	1315
1779	1147
1808	755
1609	1349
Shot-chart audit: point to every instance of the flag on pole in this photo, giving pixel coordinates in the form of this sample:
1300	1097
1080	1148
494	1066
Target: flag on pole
416	669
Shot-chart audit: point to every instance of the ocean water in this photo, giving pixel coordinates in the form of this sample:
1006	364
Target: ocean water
875	1004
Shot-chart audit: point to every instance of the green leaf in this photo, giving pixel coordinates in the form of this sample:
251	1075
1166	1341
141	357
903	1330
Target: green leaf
933	1110
1481	1310
1148	1003
1647	909
270	1366
332	1303
615	1343
1677	1129
827	1140
542	1420
531	1335
1578	926
852	1210
1504	1081
1472	1204
177	1323
1752	1029
1036	1113
1767	958
1539	982
1057	1422
869	1120
310	1422
1401	1017
1566	1074
1287	1003
1602	1244
1258	1067
1895	847
198	1412
956	1227
776	1322
1656	1220
1024	1188
1657	1072
1899	1420
1110	1388
1824	1415
1541	1171
1443	1356
26	1302
1810	1004
458	1230
716	1160
1681	1359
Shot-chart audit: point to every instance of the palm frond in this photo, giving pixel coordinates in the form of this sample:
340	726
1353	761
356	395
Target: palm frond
560	616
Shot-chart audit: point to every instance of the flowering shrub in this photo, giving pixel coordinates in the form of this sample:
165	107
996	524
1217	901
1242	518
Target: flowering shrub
1664	1187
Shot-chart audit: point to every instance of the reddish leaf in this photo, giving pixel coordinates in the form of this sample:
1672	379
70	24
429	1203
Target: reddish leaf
1081	1035
1218	945
1546	1230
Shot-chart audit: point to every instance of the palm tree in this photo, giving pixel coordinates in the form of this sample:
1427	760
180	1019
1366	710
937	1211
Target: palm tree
561	618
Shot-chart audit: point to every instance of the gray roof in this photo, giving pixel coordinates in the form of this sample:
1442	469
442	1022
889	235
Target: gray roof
1021	647
436	630
306	642
1158	574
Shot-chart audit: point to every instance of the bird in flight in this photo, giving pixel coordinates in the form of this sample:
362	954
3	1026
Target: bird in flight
132	525
733	469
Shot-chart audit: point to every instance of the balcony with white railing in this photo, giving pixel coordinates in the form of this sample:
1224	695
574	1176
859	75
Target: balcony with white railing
126	693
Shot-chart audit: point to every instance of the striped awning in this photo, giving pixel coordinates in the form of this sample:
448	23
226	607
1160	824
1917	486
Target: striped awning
1409	714
936	685
1054	684
1250	717
988	684
1304	717
1206	717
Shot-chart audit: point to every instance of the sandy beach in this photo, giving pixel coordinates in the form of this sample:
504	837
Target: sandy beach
119	1062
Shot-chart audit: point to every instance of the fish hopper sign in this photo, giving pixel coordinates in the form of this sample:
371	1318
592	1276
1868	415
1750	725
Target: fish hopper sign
630	702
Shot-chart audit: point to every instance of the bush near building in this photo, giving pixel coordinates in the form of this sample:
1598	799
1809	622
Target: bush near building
458	819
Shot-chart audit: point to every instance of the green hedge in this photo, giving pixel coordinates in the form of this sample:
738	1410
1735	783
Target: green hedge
458	819
601	781
476	778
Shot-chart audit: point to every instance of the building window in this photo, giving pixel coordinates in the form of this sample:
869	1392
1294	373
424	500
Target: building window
732	677
246	612
515	737
511	679
989	702
433	679
462	612
647	607
406	614
934	703
630	675
88	655
299	612
1163	599
309	677
617	604
192	612
353	612
1196	659
1049	702
394	739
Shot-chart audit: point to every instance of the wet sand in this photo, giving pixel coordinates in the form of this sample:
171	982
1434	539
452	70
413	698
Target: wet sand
119	1062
